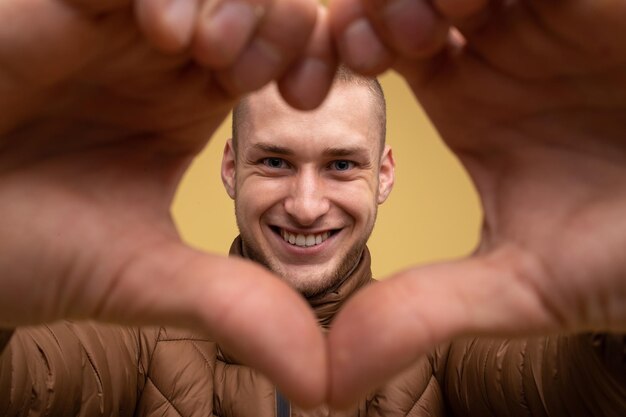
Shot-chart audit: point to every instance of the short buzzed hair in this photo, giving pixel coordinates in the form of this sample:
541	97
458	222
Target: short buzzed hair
343	76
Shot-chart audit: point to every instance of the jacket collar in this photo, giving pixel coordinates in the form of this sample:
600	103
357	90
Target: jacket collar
326	305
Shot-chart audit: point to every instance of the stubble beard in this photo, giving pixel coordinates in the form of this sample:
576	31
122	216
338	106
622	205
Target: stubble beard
318	285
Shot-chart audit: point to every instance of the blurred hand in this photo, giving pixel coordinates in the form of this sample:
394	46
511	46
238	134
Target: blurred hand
530	95
104	105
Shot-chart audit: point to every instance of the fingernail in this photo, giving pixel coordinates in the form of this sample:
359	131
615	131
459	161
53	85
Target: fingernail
268	53
257	66
232	18
179	17
228	28
312	69
361	48
308	83
412	25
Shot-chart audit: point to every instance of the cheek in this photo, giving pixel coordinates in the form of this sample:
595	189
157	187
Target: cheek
256	199
360	206
359	199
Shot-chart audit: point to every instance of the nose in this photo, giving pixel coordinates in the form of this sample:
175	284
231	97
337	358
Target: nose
307	200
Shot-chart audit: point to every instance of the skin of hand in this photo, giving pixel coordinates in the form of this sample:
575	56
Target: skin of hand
530	96
104	105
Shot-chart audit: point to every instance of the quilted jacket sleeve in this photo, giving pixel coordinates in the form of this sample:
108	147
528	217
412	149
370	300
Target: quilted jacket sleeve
578	375
179	379
416	392
68	369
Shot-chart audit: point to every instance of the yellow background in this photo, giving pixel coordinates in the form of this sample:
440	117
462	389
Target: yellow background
432	213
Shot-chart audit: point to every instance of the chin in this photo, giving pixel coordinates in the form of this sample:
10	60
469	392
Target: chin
310	286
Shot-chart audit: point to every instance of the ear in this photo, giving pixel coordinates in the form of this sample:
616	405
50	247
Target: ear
229	165
386	174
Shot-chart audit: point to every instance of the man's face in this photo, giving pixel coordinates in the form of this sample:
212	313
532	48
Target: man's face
307	185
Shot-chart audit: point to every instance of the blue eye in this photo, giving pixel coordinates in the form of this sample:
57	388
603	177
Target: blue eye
342	165
274	162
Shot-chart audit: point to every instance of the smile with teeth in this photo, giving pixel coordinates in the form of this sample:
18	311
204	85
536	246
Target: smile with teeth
304	240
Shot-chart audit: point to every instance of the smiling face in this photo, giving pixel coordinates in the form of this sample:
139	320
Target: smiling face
307	185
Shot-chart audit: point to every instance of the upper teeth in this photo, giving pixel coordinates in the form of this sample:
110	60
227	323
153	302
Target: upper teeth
304	240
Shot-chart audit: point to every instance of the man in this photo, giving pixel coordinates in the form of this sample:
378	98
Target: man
97	124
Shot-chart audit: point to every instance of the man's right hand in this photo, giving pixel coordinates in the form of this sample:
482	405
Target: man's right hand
104	105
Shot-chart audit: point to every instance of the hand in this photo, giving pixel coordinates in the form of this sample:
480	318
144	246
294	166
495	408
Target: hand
104	105
530	96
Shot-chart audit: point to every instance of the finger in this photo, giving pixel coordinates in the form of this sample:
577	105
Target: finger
224	30
282	35
98	6
69	36
168	24
252	314
388	326
359	45
412	28
307	82
472	16
463	9
28	66
409	29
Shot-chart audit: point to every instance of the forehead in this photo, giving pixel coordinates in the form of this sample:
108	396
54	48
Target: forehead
347	118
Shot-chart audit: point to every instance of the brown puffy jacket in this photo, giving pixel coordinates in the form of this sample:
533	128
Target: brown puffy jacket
85	369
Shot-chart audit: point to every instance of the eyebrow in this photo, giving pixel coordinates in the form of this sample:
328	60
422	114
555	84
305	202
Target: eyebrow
269	148
343	152
332	152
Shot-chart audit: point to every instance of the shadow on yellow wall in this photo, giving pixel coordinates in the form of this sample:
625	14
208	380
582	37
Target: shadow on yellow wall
432	214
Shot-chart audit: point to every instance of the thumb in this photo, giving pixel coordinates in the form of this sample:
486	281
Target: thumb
387	326
254	315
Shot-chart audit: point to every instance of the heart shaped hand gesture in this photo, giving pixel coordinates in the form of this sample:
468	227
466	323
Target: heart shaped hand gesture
98	124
